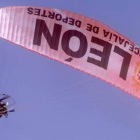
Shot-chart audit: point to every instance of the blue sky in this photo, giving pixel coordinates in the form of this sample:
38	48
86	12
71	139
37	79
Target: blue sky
68	104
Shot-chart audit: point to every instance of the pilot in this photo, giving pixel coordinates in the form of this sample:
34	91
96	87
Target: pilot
3	109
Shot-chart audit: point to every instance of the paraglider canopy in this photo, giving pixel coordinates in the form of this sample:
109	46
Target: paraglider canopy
74	40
